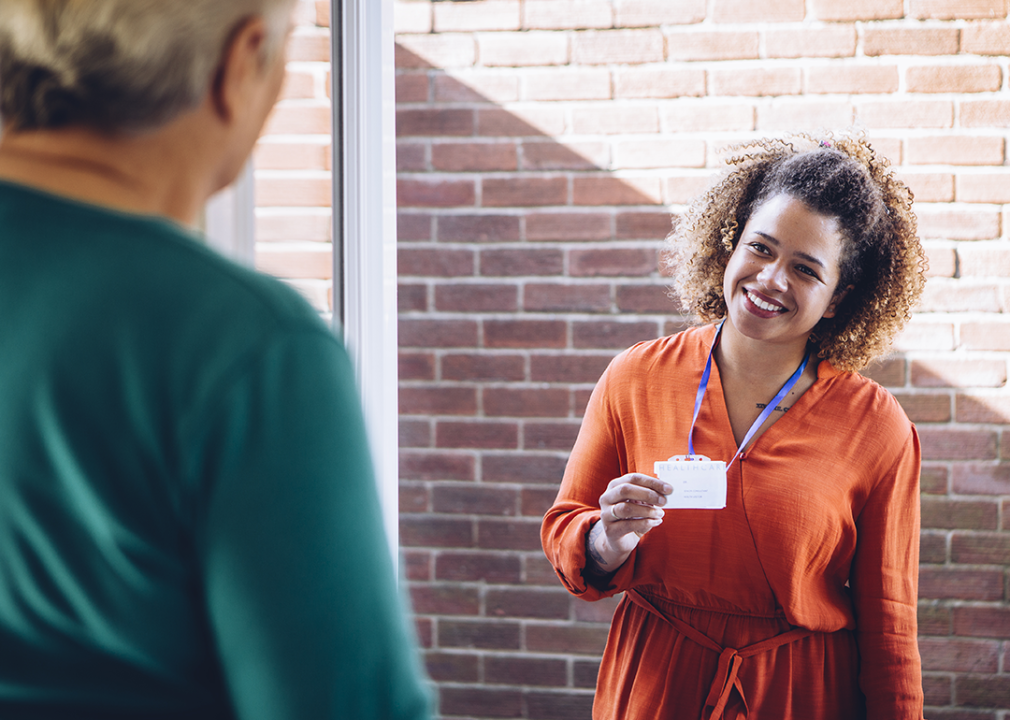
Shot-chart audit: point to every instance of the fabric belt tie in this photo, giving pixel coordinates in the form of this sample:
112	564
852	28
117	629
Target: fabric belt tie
730	659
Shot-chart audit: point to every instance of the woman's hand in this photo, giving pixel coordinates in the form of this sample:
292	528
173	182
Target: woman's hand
631	507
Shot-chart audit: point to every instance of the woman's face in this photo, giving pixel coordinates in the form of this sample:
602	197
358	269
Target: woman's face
782	276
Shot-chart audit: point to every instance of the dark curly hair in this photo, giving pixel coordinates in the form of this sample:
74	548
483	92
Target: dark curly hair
838	176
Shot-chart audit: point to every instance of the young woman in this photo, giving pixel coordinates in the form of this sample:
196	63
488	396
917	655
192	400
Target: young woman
798	598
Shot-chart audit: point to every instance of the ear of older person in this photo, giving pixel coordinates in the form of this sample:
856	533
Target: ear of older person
169	171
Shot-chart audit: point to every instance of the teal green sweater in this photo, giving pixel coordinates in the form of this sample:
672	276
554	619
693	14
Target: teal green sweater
188	522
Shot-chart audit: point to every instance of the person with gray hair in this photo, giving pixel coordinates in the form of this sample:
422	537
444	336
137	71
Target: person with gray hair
190	527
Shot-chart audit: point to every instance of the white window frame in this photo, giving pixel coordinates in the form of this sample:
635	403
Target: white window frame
364	225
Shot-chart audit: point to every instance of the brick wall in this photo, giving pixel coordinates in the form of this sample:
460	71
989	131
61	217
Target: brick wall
542	146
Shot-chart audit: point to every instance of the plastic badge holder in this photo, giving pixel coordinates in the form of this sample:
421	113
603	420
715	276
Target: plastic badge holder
698	483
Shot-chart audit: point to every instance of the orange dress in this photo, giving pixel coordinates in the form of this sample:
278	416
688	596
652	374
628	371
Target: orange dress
796	601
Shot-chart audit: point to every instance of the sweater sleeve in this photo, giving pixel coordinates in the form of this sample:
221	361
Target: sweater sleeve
596	459
884	581
297	576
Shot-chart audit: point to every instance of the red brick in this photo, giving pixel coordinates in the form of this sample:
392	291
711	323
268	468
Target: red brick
643	225
414	433
476	700
645	299
975	408
957	444
933	479
658	153
858	9
787	115
501	368
439	400
471	499
411	297
620	261
416	366
942	372
559	705
980	548
476	87
452	667
429	531
293	192
986	38
585	673
907	114
417	564
606	119
638	13
579	226
412	87
948	654
889	372
942	257
756	82
440	599
954	78
294	225
474	157
438	122
958	224
555	85
434	262
852	79
537	571
543	297
553	155
600	611
960	584
769	11
829	41
531	468
413	499
472	298
437	333
694	45
424	629
929	187
981	479
309	45
983	187
932	548
525	402
611	333
925	335
524	191
413	226
478	228
520	262
582	639
481	15
957	9
982	621
522	602
481	434
925	408
959	514
516	49
550	436
284	263
536	121
484	634
478	566
694	117
568	368
293	156
884	40
524	333
659	82
985	113
435	193
987	335
607	190
609	47
524	670
567	14
537	501
411	157
519	534
982	690
436	466
954	297
934	619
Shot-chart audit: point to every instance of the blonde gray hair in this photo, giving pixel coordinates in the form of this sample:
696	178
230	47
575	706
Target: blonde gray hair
117	65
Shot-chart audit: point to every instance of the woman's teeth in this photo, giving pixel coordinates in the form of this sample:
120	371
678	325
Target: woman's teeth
763	305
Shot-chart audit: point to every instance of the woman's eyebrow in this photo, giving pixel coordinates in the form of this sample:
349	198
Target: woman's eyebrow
774	241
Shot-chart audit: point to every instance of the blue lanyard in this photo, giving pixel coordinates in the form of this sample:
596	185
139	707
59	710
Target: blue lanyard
769	408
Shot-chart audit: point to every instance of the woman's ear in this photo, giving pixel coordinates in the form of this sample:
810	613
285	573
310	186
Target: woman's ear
836	301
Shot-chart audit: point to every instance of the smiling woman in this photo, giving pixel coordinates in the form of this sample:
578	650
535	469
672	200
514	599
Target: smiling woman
797	598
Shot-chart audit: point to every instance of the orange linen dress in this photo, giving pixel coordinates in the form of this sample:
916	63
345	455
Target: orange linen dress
796	601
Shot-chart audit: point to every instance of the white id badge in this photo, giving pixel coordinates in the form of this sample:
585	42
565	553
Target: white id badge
698	483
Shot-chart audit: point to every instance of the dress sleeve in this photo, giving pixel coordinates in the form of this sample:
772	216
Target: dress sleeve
297	576
596	459
884	582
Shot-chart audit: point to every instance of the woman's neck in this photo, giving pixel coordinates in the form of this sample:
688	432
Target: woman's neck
756	362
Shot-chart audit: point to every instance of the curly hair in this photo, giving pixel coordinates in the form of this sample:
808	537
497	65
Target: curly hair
838	176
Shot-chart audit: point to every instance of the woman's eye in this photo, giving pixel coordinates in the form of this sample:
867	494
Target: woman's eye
806	271
759	247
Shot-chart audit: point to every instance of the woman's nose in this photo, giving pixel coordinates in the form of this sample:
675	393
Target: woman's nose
774	276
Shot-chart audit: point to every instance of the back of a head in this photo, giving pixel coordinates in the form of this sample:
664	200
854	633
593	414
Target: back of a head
116	65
